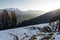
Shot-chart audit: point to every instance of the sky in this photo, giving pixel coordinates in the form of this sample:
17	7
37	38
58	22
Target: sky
24	5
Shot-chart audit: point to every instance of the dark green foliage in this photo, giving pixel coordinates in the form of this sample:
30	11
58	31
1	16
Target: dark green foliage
7	21
13	20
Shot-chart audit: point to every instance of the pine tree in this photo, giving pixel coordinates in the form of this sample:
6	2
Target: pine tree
13	20
6	19
1	21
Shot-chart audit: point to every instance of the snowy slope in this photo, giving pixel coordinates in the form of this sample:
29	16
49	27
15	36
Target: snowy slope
57	37
20	32
25	33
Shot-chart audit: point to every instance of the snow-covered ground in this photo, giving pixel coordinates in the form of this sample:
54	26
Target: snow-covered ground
57	37
25	33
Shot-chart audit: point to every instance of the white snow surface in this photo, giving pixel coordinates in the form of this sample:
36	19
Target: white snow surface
57	37
23	33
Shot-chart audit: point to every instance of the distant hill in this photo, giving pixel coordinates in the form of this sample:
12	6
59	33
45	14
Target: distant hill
23	15
41	19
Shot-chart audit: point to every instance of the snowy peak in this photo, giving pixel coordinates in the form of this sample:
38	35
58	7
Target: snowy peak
12	9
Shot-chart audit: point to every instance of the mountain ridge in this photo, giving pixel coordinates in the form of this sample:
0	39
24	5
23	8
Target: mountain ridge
23	15
42	18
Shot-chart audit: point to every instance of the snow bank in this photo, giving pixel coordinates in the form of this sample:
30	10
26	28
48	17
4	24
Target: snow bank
20	32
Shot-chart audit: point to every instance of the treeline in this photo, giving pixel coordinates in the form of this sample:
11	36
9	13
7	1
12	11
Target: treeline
52	20
38	20
28	22
52	23
7	21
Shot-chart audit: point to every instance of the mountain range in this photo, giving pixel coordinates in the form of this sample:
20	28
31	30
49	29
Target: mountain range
23	15
32	17
42	18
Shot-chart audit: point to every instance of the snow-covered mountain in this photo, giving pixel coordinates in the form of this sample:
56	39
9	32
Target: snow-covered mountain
24	15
